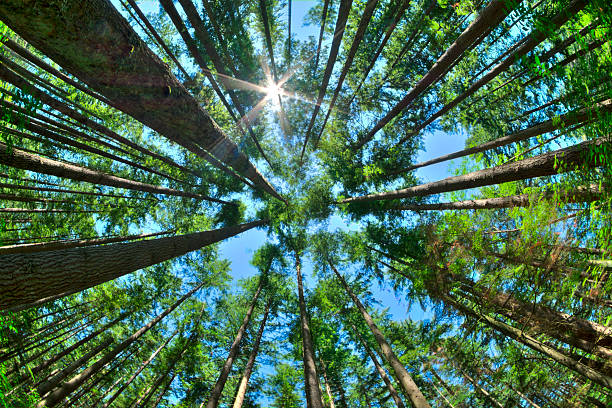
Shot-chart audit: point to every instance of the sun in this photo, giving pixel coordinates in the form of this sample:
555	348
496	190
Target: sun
274	91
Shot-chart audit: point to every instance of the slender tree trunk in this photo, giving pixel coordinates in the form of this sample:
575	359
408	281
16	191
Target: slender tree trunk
215	394
312	388
381	371
139	370
493	14
248	369
39	275
75	382
328	390
583	194
521	337
343	13
407	383
482	391
326	4
546	164
21	159
58	245
124	66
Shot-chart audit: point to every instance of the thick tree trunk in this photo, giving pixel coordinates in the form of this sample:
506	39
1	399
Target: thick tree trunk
343	13
120	66
58	245
522	337
139	370
248	369
215	393
34	276
408	385
312	388
68	387
381	371
579	195
566	120
368	11
27	161
546	164
493	14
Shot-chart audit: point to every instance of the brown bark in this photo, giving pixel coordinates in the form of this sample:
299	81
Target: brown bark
381	371
65	190
139	370
21	159
533	40
343	13
215	393
368	11
408	385
312	388
121	67
481	390
493	14
36	276
566	120
326	4
328	391
248	369
579	195
75	382
546	164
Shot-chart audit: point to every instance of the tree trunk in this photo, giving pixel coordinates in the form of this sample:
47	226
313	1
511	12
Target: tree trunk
326	4
566	120
521	337
27	161
39	275
125	71
580	195
546	164
381	371
75	382
58	245
248	369
328	391
407	383
368	11
139	370
215	393
482	391
312	389
493	14
343	13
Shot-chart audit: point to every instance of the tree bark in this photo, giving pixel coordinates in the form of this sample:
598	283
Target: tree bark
381	371
75	382
546	164
312	388
215	393
328	390
579	195
408	385
27	161
493	14
481	390
120	66
40	275
326	4
248	369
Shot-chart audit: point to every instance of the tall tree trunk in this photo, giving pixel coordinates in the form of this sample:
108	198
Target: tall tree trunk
481	390
527	340
368	11
79	243
493	14
343	13
407	383
380	370
248	369
312	389
215	393
21	159
546	164
139	370
126	72
39	275
75	382
576	117
328	390
326	4
579	195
